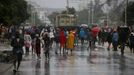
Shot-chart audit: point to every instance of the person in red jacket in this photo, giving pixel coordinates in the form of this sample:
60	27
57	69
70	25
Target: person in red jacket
62	40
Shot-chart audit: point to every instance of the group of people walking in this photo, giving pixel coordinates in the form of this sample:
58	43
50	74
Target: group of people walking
64	41
117	38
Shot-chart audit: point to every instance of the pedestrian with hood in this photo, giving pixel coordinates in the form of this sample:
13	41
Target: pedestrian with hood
62	40
70	41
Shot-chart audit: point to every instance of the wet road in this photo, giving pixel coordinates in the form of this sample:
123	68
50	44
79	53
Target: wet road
82	62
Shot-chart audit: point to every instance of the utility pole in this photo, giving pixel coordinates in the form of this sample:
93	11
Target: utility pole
92	13
89	14
107	16
68	10
126	12
67	3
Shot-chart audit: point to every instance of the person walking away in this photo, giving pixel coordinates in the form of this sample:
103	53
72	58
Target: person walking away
17	43
89	38
100	37
123	37
38	46
33	37
95	30
62	40
57	40
104	36
66	32
115	37
27	41
82	35
47	43
33	45
76	35
51	35
109	39
131	38
70	41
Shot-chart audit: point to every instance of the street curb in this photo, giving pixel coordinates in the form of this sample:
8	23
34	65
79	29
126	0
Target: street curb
6	69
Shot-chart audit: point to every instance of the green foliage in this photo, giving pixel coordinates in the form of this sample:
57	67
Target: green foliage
130	14
69	11
13	12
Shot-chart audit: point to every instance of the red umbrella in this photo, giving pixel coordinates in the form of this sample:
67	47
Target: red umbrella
95	31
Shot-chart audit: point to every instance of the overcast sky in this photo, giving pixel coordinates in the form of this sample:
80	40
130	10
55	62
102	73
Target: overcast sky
58	3
52	3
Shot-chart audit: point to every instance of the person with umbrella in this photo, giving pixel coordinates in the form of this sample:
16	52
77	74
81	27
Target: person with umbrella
82	35
95	30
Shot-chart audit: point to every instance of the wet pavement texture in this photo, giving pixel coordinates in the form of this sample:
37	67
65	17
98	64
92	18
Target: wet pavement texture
97	61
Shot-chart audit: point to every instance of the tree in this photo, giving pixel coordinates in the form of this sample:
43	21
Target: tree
70	10
115	11
130	15
13	12
98	12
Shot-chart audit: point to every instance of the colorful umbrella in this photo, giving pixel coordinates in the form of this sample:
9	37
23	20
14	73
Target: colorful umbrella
83	25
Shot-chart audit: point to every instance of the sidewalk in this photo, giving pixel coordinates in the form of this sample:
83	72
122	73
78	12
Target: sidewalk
5	66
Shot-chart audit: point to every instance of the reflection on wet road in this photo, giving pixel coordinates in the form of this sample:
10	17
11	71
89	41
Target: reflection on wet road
82	62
